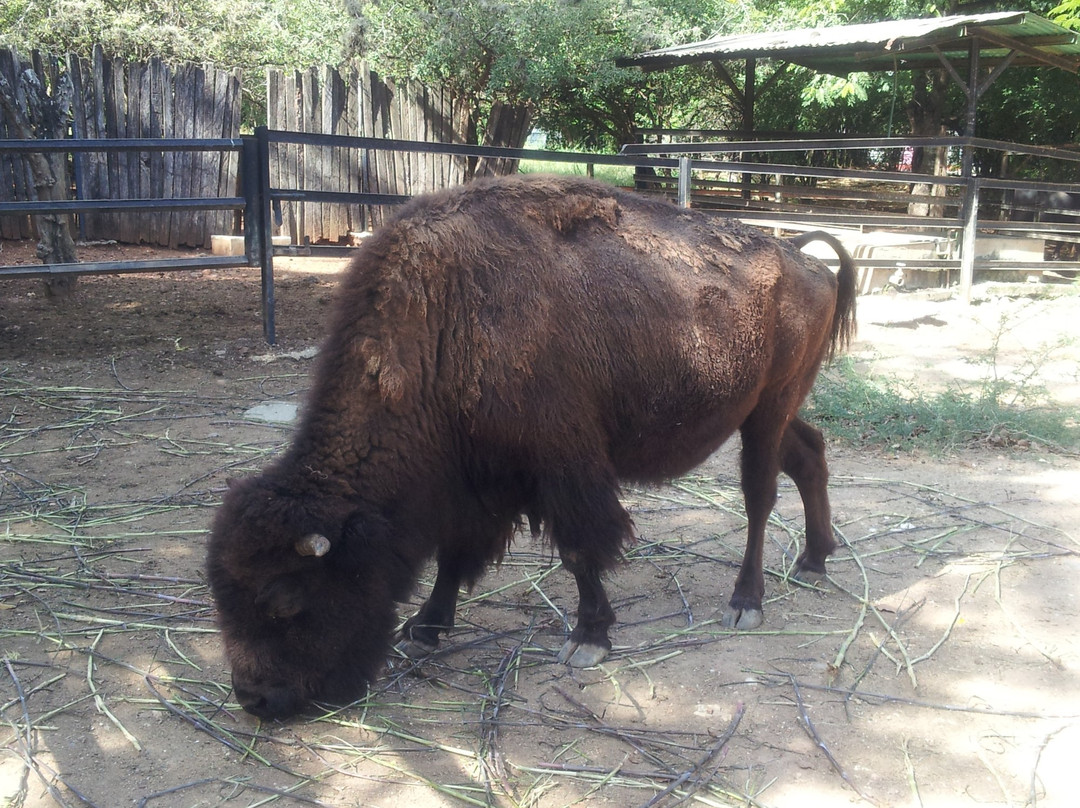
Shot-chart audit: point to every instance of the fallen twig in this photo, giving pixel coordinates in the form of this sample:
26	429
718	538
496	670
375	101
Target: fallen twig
706	761
808	726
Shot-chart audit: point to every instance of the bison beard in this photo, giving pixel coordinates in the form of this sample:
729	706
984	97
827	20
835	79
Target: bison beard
517	348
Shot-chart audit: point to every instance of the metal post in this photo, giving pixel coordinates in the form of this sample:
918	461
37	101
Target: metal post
249	187
684	182
971	202
967	244
264	223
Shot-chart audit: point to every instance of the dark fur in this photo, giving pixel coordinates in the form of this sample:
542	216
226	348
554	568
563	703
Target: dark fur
518	347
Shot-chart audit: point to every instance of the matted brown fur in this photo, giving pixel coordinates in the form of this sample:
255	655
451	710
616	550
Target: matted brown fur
516	347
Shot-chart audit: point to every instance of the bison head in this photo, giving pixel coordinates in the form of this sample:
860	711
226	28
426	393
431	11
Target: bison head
305	589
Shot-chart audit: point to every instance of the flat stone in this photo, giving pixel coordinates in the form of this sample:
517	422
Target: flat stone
273	412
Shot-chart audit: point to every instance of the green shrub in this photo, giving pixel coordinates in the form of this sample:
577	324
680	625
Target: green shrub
867	409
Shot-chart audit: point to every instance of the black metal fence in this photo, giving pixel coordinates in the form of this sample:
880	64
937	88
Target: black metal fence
726	178
858	190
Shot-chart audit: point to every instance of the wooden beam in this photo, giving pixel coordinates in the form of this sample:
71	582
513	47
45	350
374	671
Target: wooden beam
1023	46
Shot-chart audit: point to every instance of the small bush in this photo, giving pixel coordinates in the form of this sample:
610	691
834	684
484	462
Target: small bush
865	409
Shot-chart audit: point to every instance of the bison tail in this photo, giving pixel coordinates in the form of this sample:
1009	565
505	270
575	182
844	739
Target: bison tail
843	324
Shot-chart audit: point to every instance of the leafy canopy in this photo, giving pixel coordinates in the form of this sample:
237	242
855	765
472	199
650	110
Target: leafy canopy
230	33
557	57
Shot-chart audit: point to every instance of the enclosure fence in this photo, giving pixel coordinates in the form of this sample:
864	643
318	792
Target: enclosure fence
354	101
727	179
114	100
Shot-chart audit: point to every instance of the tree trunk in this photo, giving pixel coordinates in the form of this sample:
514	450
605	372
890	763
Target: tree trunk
508	125
926	114
37	116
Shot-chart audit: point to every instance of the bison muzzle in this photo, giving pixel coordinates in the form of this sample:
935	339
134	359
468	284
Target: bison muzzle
516	348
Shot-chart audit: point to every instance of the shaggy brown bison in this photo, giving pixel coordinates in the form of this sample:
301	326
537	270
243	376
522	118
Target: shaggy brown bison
513	349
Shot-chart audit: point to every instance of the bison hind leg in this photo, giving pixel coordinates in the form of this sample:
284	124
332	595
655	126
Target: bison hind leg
802	457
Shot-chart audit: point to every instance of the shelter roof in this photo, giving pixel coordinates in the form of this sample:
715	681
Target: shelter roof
890	45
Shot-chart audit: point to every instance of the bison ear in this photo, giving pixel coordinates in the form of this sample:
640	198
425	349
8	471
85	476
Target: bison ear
313	544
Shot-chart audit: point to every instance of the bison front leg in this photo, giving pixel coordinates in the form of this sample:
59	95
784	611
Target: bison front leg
420	634
589	643
589	526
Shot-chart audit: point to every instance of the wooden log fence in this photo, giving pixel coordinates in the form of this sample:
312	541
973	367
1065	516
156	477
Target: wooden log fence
355	101
115	99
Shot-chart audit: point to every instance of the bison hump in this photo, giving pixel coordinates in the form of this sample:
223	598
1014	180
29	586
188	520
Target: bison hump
567	213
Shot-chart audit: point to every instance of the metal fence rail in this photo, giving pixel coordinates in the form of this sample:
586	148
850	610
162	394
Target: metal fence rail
712	176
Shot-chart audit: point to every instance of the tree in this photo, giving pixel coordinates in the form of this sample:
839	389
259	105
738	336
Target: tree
33	112
1067	14
249	34
554	58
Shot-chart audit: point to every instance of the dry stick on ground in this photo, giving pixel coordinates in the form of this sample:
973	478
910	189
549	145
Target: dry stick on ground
1017	627
606	729
490	755
1033	789
241	786
883	698
874	610
210	728
26	737
808	726
909	769
898	485
901	617
706	761
99	702
28	757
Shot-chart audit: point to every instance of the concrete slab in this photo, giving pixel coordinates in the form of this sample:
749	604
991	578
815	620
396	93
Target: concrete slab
273	412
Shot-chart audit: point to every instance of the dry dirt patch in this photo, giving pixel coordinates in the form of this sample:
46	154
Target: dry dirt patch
940	665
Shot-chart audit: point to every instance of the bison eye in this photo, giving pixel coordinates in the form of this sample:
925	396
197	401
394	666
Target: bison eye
280	599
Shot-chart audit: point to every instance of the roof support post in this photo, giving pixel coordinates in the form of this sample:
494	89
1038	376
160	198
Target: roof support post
749	99
971	186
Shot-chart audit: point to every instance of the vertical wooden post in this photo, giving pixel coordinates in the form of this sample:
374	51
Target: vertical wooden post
749	102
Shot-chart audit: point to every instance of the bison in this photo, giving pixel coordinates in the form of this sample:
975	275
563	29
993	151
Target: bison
507	351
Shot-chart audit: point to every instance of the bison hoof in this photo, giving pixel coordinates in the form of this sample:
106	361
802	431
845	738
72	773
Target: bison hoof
582	655
414	648
742	619
808	576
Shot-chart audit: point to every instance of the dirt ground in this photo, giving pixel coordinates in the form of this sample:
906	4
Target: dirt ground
939	666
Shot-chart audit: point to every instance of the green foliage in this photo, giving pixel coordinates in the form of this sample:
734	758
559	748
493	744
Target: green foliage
1000	410
1067	14
826	91
230	33
555	56
612	175
245	34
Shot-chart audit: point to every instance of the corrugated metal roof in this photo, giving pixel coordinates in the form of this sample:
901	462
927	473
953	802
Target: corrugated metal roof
890	45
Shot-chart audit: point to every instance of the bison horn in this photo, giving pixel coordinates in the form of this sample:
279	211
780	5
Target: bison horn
313	545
